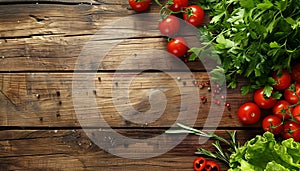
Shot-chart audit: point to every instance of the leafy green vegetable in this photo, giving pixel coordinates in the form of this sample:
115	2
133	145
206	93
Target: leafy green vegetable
252	37
264	153
275	167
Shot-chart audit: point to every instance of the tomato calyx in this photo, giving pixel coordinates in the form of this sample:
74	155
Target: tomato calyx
292	88
170	2
194	15
189	12
286	113
273	127
262	101
166	9
273	124
290	131
169	26
177	6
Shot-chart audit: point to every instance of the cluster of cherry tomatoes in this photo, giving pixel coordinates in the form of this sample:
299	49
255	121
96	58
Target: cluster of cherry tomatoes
201	164
285	117
169	26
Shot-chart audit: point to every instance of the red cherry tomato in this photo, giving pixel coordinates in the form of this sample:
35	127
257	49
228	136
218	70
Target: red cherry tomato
283	80
249	113
282	110
212	166
194	15
262	101
291	94
296	113
139	5
272	123
296	73
169	26
199	163
291	130
178	5
177	46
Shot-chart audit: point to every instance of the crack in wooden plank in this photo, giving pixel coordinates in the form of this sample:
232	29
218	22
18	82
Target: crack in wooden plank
47	128
37	19
33	155
31	36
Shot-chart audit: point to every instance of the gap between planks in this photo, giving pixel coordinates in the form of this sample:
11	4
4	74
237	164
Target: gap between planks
73	150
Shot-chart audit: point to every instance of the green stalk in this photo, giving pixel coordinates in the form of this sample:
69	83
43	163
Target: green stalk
158	3
219	154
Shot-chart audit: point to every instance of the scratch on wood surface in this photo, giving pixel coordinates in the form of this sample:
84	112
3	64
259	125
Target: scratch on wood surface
7	98
37	19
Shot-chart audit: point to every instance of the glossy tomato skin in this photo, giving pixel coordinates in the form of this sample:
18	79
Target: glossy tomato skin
178	5
199	163
177	46
283	80
272	123
290	95
291	130
282	110
212	166
194	15
262	101
139	5
296	73
249	113
296	113
169	26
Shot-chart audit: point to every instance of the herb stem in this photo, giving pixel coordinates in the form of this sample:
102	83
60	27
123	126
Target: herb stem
219	154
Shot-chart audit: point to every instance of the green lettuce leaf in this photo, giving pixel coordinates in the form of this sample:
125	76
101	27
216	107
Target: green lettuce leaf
272	166
263	153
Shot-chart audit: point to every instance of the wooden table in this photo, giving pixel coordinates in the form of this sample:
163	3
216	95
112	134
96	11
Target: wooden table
39	46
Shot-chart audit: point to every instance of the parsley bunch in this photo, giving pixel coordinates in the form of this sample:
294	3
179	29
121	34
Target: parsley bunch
253	38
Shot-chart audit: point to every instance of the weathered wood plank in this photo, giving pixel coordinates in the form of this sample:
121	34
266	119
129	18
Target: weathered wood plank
57	53
69	2
73	150
51	36
46	99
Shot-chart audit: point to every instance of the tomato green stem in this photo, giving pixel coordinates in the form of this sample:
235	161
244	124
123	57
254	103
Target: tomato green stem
294	105
165	8
158	3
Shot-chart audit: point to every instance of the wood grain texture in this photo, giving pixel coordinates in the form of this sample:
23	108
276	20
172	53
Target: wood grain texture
44	53
43	37
72	150
42	45
46	99
68	2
